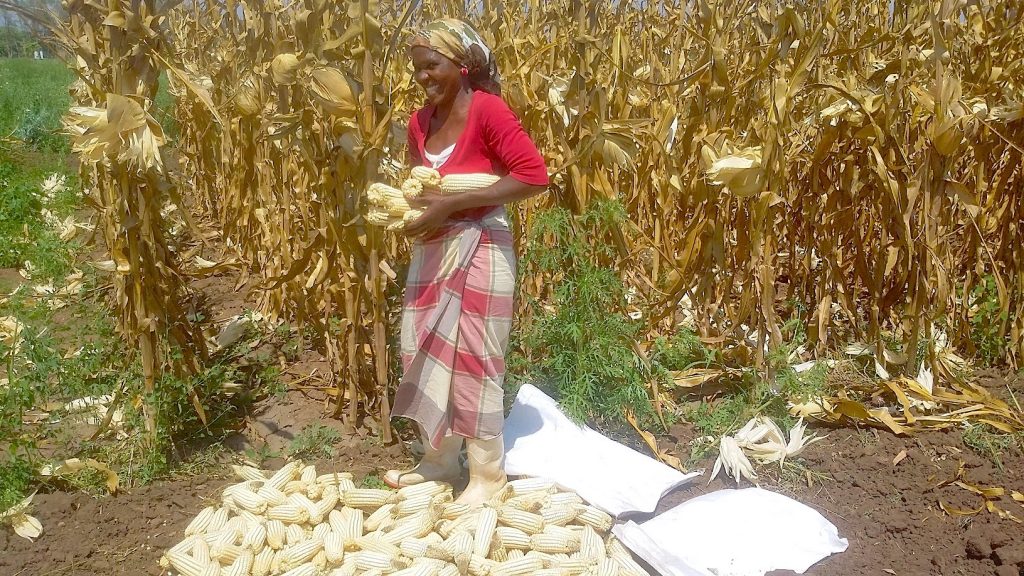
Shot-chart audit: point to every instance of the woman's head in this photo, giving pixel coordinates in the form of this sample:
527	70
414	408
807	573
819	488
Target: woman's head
448	55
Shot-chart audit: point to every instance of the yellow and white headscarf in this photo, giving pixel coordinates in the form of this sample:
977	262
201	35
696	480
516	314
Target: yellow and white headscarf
460	43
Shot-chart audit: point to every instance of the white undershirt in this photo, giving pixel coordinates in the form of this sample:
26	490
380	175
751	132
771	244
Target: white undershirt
437	160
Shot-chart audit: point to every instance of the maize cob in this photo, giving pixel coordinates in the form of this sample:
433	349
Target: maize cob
459	544
199	524
380	217
547	560
411	505
512	538
288	513
304	570
314	491
607	567
428	176
249	519
320	561
301	552
242	566
518	567
334	547
574	566
525	521
389	199
412	188
374	521
554	543
366	497
486	523
532	502
344	570
414	547
548	572
420	569
563	499
333	478
308	474
374	543
185	564
211	569
439	552
416	526
261	564
449	570
272	496
294	534
276	533
219	519
322	529
480	566
367	560
454	510
559	515
459	183
185	546
296	487
201	552
529	485
498	554
256	538
285	475
516	554
430	488
627	566
225	537
237	526
591	544
246	499
344	522
226	554
596	519
249	473
328	500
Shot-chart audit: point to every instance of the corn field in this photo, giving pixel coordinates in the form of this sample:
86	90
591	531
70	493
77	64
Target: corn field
852	164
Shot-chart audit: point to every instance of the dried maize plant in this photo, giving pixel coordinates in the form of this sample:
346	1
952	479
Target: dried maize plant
853	165
309	120
115	46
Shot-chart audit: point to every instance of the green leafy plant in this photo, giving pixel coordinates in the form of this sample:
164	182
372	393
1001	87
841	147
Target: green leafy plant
314	441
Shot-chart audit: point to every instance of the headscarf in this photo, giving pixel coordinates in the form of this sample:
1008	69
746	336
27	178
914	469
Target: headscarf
460	43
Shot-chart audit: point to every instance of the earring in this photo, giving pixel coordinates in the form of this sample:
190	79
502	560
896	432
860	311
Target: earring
464	71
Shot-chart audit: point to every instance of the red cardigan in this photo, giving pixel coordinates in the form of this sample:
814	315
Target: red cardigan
493	141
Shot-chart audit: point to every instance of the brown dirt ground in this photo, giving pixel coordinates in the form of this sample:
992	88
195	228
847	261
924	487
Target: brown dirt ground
889	512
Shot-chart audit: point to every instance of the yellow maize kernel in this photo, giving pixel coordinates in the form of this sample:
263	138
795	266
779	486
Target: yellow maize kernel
428	176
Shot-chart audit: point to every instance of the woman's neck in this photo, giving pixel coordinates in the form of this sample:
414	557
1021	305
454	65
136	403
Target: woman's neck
460	102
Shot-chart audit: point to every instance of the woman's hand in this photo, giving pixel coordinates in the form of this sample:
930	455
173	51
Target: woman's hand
436	209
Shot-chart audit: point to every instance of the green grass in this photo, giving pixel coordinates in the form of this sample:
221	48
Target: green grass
991	443
33	97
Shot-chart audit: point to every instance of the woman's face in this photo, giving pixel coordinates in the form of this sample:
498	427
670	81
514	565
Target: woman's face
439	76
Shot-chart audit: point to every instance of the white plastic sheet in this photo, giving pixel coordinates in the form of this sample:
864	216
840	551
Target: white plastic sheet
733	533
541	441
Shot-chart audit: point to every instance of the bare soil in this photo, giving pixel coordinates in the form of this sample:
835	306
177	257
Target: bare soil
880	490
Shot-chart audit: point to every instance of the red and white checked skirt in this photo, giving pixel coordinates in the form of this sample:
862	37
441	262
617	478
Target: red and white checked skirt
455	326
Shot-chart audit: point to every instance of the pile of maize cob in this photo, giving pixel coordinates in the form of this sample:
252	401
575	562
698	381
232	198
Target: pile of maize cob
297	522
390	207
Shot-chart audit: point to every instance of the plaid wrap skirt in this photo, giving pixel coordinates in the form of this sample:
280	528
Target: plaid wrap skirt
455	326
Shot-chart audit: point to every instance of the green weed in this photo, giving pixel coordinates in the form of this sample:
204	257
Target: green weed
986	323
314	441
991	443
582	344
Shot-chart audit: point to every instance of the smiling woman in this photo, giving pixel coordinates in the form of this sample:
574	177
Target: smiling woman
458	299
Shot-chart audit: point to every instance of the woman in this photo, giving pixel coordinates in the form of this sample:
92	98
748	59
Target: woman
458	297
